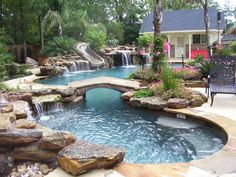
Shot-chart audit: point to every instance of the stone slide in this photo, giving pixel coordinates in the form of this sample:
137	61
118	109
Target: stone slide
95	60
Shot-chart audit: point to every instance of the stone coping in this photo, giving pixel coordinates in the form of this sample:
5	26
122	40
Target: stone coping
219	163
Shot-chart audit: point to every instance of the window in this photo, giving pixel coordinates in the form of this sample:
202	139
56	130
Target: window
199	39
196	39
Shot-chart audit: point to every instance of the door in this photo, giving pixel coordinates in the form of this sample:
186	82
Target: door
179	47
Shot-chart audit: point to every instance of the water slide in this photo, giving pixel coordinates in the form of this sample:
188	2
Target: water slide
95	60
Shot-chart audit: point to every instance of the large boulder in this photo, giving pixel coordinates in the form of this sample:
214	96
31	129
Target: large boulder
56	140
177	103
23	124
18	137
5	120
6	108
33	152
20	96
83	156
51	98
52	71
155	103
21	109
196	101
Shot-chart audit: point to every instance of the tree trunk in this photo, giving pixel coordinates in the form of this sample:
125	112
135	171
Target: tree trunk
1	14
40	31
23	31
207	23
157	18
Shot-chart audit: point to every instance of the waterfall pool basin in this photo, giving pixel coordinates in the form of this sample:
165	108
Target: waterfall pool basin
148	137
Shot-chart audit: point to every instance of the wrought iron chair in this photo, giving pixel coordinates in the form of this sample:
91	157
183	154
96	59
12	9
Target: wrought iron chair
222	76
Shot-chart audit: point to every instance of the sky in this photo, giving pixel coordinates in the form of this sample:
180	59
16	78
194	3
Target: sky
222	2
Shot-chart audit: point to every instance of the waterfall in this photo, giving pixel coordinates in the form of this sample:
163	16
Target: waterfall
126	58
44	110
82	65
3	101
73	67
39	109
66	71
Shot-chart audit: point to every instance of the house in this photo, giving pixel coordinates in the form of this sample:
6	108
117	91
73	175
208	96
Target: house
185	30
229	36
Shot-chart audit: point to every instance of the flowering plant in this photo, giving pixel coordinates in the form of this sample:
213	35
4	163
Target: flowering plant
158	54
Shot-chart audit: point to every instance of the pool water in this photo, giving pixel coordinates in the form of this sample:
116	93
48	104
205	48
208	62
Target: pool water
148	137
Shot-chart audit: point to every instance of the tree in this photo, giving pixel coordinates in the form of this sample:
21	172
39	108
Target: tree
157	19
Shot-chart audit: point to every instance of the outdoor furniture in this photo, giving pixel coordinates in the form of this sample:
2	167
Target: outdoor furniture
222	76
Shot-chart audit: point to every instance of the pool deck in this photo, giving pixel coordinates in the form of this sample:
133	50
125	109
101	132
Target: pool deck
220	164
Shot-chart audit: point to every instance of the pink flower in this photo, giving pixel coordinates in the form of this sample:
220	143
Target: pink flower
158	53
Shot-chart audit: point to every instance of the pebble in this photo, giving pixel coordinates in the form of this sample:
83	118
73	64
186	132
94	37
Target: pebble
29	169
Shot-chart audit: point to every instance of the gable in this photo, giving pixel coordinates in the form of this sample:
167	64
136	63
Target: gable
183	20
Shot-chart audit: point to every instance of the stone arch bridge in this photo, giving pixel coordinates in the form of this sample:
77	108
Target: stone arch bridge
120	85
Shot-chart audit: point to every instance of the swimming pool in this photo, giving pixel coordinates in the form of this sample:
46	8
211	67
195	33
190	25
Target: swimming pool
148	137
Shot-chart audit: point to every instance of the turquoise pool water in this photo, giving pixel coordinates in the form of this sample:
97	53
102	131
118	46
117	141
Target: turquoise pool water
148	137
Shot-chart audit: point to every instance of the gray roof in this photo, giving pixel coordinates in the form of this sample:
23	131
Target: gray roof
183	20
229	37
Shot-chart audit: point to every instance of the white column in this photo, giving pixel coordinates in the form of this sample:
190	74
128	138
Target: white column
189	45
168	36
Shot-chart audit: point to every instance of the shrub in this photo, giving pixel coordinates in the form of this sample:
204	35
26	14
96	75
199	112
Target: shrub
158	54
5	88
5	56
144	93
233	46
115	30
198	59
59	46
187	73
145	40
145	75
169	79
223	52
95	37
205	68
179	92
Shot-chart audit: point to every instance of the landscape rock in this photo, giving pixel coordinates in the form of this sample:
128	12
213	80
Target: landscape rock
155	103
44	169
196	101
57	140
83	156
6	108
177	103
24	124
19	137
20	96
20	109
127	95
65	92
52	71
5	120
33	152
51	98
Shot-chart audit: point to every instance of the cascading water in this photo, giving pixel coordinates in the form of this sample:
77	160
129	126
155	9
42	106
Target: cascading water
82	65
126	58
73	67
44	110
66	71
